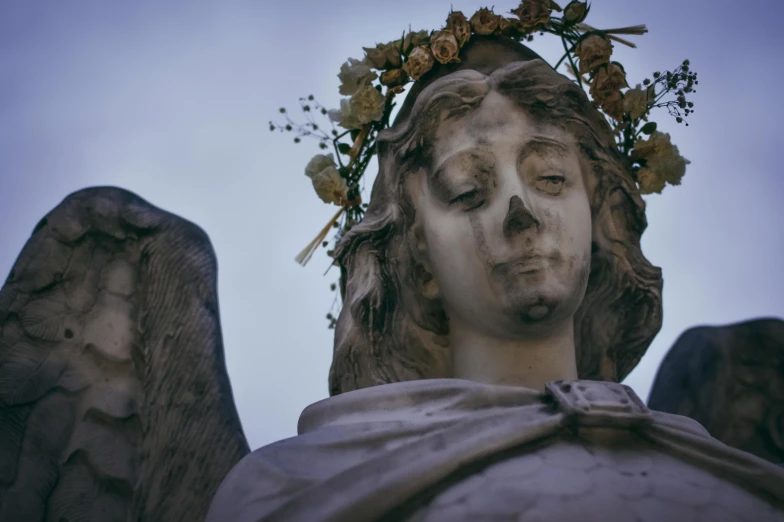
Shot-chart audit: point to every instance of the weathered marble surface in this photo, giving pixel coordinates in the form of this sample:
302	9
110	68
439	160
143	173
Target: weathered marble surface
453	450
115	404
573	480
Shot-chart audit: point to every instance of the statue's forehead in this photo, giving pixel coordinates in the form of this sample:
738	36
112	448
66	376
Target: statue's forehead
497	117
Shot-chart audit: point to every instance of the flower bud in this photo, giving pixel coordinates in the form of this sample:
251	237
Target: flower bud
458	24
484	21
575	12
533	13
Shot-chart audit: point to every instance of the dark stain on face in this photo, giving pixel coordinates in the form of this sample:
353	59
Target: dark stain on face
481	242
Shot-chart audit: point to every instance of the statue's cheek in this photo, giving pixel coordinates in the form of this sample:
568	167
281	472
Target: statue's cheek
480	241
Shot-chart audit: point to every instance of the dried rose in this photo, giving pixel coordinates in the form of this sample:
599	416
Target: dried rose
394	77
444	46
329	185
575	12
413	40
353	74
636	102
593	51
612	105
458	24
484	21
533	13
505	26
609	79
663	163
420	61
384	56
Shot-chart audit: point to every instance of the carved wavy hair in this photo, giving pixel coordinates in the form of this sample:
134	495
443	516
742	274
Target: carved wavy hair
390	331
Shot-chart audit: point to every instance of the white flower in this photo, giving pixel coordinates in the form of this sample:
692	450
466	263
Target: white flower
368	104
365	105
663	163
329	185
345	116
353	75
318	163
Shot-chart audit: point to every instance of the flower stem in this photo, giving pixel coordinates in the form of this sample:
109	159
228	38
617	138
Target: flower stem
571	61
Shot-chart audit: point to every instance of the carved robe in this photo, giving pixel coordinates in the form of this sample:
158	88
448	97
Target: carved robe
454	450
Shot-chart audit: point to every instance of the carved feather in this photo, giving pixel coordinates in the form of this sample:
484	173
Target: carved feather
730	379
114	398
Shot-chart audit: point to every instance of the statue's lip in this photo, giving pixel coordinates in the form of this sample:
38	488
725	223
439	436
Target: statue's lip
530	262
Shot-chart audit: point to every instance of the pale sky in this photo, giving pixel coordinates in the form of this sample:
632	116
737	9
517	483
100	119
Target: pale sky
171	100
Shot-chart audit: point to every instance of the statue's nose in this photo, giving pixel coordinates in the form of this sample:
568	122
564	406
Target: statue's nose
519	218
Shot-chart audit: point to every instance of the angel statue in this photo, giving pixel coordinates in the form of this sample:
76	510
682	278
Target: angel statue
495	294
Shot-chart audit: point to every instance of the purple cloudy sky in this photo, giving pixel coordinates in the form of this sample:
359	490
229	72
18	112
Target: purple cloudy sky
171	100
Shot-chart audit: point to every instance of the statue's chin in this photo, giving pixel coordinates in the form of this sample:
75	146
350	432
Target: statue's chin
537	313
536	305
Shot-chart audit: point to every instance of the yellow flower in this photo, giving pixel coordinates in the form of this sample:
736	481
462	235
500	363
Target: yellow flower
662	163
444	46
593	51
650	182
609	80
420	61
533	13
329	185
384	56
484	21
612	105
458	24
636	102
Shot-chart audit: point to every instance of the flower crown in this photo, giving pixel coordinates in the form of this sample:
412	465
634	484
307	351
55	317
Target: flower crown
372	84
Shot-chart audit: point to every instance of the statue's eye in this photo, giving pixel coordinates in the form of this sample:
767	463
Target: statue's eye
552	185
470	200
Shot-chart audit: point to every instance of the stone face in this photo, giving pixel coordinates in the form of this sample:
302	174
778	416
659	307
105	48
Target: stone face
730	379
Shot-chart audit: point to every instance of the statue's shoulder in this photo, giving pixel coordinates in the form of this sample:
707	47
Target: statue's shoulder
385	433
387	448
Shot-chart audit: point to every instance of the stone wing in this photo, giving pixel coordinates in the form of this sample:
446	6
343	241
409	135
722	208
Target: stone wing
115	403
730	379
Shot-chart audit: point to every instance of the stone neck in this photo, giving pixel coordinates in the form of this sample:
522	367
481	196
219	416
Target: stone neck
530	363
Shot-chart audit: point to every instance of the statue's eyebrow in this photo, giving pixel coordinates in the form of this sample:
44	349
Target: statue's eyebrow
542	146
473	153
